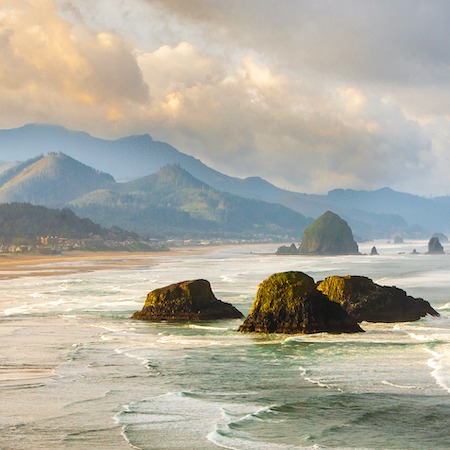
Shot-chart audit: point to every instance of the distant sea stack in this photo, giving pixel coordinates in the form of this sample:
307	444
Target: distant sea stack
328	235
285	250
435	246
442	237
187	300
365	300
289	302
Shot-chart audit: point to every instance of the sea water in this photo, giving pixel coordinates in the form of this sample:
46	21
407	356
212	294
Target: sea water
77	373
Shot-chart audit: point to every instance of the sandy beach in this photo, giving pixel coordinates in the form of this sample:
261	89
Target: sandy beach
30	264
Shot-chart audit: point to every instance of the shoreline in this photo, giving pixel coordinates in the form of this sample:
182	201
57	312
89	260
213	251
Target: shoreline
26	265
15	265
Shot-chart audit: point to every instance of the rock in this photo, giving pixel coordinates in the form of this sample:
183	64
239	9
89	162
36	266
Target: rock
285	250
289	302
187	300
328	235
373	251
398	240
441	236
415	252
435	247
365	300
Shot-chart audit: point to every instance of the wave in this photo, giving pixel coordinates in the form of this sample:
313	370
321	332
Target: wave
440	364
399	386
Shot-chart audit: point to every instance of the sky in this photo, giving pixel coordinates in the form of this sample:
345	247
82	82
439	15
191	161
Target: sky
311	95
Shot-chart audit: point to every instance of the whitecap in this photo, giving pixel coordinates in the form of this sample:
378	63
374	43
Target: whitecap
441	369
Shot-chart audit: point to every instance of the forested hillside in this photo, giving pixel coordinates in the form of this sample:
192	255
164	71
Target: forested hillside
23	220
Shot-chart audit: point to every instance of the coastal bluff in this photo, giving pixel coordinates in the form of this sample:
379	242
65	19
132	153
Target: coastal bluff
185	301
289	302
367	301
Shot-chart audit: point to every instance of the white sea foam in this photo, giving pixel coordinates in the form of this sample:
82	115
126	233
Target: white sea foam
440	364
399	386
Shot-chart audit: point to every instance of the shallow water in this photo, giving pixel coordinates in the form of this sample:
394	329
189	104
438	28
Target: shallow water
77	373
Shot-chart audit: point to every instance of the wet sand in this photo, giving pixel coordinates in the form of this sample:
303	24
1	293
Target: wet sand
28	264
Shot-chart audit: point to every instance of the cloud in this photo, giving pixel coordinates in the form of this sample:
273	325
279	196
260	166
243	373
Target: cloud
55	71
310	95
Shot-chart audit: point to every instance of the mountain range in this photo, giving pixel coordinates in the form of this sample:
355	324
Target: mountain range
168	203
380	213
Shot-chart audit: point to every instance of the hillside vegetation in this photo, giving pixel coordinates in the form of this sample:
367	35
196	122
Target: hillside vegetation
173	202
170	203
29	221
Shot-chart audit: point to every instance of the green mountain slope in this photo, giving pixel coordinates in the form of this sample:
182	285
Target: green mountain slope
173	202
23	220
50	180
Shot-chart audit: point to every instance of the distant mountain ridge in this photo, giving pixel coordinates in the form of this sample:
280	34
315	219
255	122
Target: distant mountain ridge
168	203
48	180
189	206
370	214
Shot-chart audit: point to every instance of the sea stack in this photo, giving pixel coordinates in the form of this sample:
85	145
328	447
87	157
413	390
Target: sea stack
289	302
328	235
285	250
187	300
365	300
435	246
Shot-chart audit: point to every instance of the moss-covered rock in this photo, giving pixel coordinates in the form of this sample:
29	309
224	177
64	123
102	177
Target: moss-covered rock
365	300
289	302
328	235
187	300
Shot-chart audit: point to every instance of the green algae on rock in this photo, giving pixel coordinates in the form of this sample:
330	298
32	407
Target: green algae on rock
289	302
365	300
328	235
187	300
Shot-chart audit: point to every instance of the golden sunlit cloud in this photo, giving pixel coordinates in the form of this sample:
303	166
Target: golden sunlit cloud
246	99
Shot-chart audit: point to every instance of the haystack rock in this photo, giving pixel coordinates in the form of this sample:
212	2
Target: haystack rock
365	300
187	300
328	235
289	302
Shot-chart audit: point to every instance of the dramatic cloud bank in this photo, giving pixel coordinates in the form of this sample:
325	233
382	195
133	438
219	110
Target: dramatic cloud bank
310	95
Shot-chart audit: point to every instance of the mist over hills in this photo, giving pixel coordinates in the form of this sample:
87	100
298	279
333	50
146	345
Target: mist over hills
53	179
379	213
169	203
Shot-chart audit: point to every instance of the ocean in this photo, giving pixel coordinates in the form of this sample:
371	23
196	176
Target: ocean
77	373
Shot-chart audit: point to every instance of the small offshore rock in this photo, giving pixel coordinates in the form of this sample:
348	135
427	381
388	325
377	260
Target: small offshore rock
374	251
365	300
289	302
285	250
187	300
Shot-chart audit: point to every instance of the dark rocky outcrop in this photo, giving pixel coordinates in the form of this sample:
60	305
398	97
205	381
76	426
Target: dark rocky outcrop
441	236
328	235
435	246
374	251
365	300
289	302
285	250
398	240
187	300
